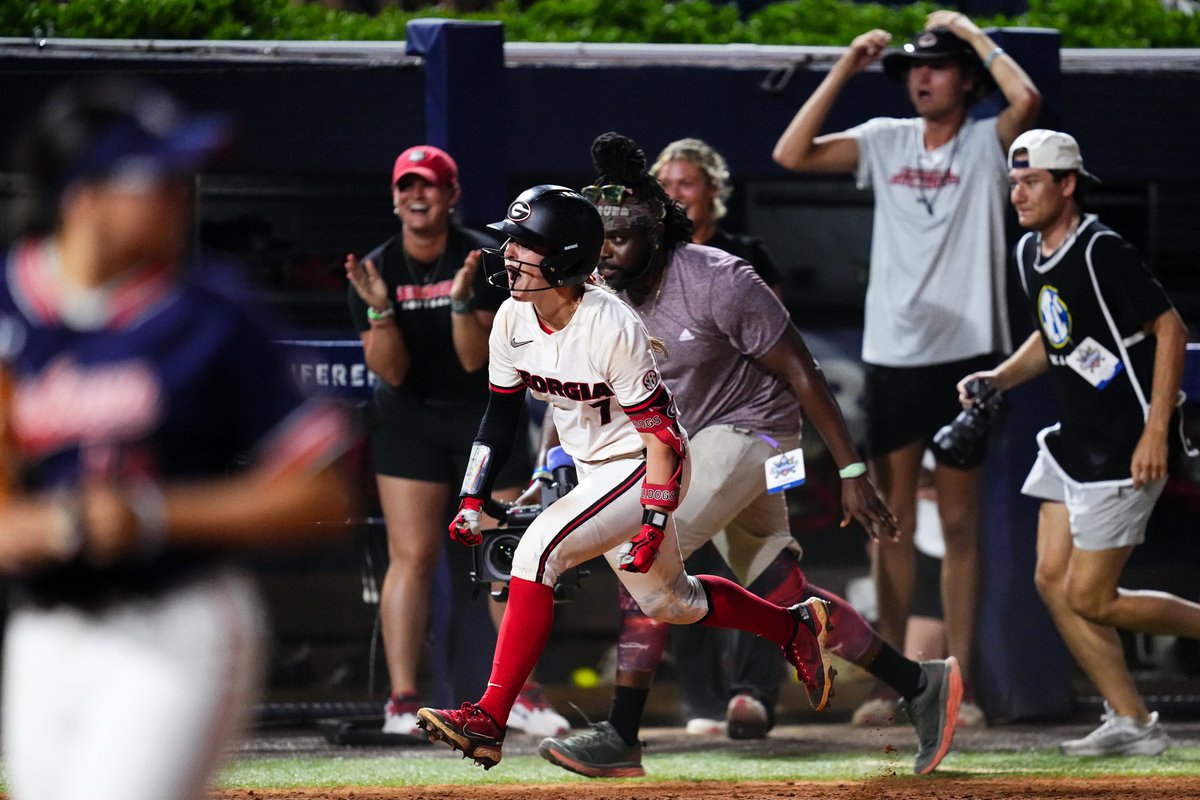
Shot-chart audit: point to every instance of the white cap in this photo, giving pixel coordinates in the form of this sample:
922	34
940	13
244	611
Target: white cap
1046	149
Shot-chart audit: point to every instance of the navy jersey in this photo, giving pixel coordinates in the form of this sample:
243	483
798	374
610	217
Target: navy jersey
1091	300
421	296
174	381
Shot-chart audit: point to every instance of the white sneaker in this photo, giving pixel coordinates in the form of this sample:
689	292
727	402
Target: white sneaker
534	715
970	715
747	718
875	712
400	716
703	726
1120	736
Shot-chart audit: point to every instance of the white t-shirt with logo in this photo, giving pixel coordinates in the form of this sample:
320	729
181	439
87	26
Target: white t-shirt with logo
937	288
600	362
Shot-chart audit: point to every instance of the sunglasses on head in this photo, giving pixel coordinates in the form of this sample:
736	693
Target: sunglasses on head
612	193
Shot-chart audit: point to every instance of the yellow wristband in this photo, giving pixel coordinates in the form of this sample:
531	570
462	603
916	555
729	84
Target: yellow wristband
855	470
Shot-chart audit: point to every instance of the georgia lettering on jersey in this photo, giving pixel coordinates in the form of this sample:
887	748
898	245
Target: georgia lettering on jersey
588	372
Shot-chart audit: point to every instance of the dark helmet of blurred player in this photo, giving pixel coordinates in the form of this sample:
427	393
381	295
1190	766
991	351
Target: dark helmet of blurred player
634	206
111	129
562	226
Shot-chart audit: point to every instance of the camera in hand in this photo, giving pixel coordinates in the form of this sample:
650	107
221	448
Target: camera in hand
493	558
963	442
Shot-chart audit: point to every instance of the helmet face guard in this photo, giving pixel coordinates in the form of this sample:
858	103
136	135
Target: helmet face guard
562	225
495	266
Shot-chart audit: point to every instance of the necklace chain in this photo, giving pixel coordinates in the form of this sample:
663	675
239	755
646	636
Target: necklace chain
409	264
1038	259
923	198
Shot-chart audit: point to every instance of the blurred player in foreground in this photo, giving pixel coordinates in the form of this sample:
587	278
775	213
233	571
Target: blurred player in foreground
137	389
576	346
1113	346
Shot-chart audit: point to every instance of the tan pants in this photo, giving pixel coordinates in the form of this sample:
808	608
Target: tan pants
728	503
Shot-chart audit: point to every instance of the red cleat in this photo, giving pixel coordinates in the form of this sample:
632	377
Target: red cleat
806	652
469	729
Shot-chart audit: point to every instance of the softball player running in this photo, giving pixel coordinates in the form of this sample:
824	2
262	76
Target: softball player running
136	392
579	348
743	374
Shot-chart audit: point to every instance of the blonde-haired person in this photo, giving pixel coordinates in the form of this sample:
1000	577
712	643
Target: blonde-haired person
696	176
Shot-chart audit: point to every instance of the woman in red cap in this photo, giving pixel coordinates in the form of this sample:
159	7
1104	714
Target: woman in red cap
424	309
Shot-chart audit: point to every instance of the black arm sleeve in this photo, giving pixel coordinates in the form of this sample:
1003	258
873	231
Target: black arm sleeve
497	431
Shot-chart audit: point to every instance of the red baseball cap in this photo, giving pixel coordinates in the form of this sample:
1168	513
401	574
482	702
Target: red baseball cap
431	163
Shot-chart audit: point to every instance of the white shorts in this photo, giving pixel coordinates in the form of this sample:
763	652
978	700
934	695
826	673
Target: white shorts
1104	516
729	494
136	701
603	512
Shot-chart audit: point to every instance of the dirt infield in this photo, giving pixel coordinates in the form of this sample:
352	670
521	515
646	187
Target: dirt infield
878	789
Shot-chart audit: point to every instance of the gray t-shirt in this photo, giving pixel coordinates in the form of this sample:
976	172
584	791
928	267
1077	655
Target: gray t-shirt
937	289
716	316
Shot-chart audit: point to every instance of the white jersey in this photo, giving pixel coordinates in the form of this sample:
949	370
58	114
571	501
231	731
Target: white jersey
937	286
588	372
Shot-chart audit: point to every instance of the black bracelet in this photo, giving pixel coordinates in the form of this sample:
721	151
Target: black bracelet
654	518
461	306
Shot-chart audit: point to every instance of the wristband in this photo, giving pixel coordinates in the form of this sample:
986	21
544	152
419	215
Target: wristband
461	306
542	474
661	494
654	518
149	506
375	316
855	470
68	534
992	56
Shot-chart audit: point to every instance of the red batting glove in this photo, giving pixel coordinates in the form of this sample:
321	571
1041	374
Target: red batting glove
465	527
640	552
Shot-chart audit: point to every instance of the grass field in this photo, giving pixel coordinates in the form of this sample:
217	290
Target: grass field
712	765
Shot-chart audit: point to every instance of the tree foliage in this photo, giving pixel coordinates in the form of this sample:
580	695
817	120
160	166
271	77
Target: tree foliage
1084	23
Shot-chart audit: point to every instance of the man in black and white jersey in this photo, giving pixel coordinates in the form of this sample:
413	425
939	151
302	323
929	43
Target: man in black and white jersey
1113	346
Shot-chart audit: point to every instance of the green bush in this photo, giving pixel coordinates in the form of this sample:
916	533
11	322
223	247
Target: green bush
1084	23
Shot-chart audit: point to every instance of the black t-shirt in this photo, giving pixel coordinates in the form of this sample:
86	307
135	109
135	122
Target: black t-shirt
750	249
1094	293
420	293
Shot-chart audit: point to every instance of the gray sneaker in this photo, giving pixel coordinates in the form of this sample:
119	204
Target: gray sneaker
934	712
598	752
1120	736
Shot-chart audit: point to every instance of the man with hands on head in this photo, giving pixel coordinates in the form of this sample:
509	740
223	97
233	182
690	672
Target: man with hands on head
1113	346
935	305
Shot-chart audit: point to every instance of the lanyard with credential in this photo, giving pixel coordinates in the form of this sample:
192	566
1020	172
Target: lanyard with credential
784	470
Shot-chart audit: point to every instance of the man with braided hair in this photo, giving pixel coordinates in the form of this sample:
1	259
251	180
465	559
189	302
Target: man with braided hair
742	374
576	346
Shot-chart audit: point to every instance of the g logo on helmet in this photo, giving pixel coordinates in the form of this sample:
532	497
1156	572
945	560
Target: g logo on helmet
519	211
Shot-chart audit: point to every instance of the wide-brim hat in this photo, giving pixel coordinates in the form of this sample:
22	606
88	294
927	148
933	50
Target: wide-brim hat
932	44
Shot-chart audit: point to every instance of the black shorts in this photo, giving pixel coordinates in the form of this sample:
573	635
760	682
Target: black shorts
909	404
927	588
431	442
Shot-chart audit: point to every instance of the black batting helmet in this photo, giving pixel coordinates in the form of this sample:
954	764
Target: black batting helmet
560	224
